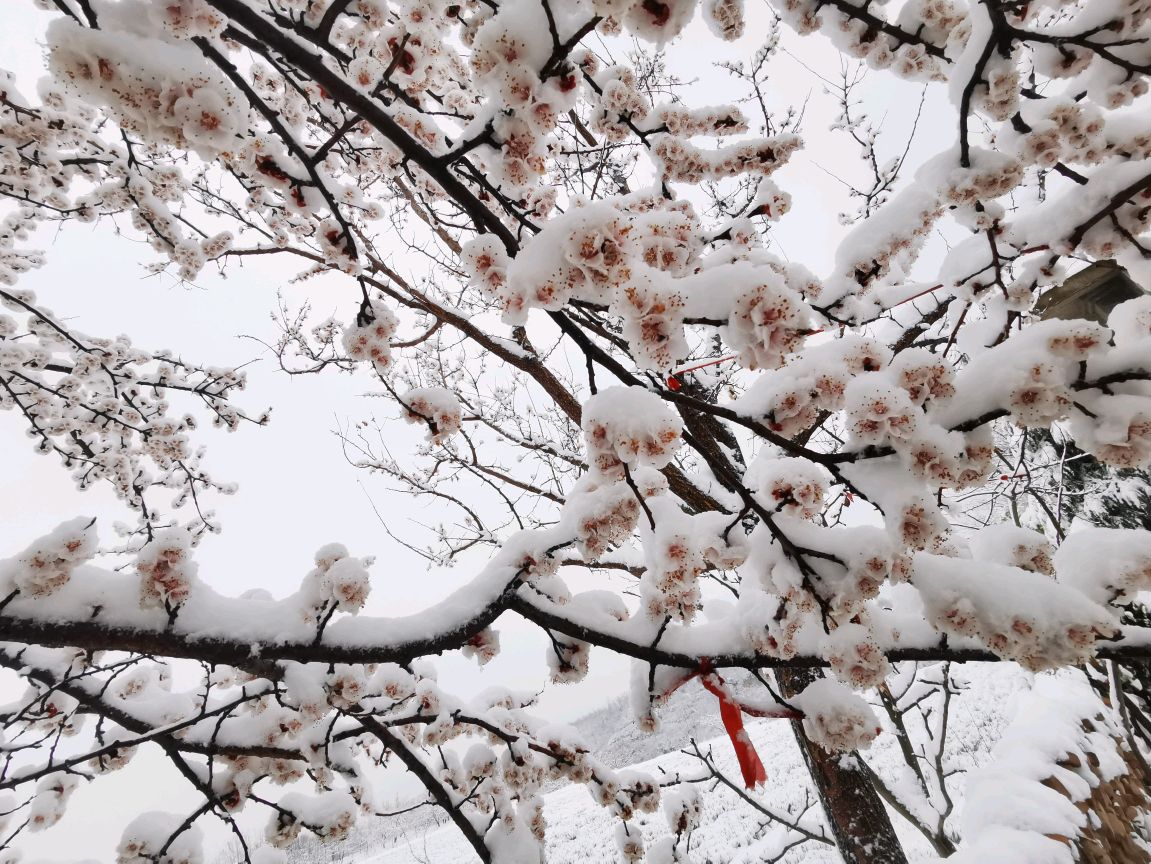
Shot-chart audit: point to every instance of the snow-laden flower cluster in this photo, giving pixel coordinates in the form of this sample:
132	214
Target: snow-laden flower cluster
725	18
1015	547
628	428
1018	614
369	341
766	323
658	21
639	256
167	571
115	759
1116	423
165	91
437	408
51	800
855	656
683	810
188	19
568	660
1109	565
924	376
337	581
880	413
149	833
789	485
329	814
484	646
629	840
789	400
679	550
603	515
47	565
682	162
835	718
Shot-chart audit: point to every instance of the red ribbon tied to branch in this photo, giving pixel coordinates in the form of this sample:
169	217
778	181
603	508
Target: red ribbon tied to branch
750	765
731	712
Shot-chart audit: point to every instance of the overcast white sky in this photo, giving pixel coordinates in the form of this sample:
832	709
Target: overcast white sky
297	492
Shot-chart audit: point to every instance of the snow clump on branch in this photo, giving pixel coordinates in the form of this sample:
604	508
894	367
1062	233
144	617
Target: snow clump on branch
47	565
629	427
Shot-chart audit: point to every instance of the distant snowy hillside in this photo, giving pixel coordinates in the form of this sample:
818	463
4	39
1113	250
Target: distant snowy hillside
580	831
614	737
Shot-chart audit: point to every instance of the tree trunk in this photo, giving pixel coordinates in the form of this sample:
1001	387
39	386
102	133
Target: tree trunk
855	814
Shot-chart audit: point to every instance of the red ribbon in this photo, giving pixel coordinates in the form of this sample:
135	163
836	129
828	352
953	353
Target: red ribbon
731	713
750	765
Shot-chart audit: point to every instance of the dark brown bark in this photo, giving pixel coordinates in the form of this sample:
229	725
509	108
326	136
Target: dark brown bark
855	813
259	657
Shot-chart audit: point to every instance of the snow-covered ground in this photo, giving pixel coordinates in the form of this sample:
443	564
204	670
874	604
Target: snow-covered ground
581	831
